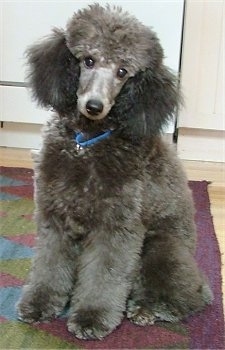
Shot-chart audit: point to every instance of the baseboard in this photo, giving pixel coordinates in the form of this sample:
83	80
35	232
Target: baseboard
23	135
204	145
20	135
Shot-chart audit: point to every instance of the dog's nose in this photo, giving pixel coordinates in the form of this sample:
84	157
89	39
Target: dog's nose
94	107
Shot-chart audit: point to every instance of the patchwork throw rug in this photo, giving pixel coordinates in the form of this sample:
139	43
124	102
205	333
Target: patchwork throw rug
202	331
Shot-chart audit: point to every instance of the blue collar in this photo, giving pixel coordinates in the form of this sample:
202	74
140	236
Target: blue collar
83	143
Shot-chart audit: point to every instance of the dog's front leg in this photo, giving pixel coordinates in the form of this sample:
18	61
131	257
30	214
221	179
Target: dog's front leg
106	267
52	276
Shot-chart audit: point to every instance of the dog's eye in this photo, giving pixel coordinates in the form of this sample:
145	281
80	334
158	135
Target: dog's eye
89	62
121	73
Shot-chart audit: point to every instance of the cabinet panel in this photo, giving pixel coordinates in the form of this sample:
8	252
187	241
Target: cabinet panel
16	106
203	66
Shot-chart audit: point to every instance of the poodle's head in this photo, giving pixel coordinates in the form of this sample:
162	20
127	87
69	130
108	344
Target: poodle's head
104	71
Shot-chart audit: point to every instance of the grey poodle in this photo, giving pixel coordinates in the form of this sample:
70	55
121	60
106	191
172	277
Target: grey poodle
115	218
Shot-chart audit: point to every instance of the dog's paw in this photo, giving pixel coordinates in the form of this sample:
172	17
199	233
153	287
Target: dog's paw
140	316
88	324
32	314
144	316
36	306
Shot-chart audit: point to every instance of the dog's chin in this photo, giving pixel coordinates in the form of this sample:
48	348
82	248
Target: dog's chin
91	125
86	118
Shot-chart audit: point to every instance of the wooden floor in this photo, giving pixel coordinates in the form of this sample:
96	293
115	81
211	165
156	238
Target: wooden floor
213	172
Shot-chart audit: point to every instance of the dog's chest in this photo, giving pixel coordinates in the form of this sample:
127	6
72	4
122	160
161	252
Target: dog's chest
81	191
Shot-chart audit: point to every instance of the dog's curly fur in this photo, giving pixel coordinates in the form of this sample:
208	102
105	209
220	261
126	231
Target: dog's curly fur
115	222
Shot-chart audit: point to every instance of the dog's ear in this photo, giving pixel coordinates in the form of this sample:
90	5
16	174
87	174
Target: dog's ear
148	101
53	72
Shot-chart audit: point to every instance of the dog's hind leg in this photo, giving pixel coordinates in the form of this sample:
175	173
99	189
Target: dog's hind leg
170	286
51	278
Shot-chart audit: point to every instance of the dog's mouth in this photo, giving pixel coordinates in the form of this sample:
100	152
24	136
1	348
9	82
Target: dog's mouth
94	117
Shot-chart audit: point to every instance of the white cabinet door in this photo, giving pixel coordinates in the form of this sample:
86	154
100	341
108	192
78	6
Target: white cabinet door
23	22
203	65
202	121
16	104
